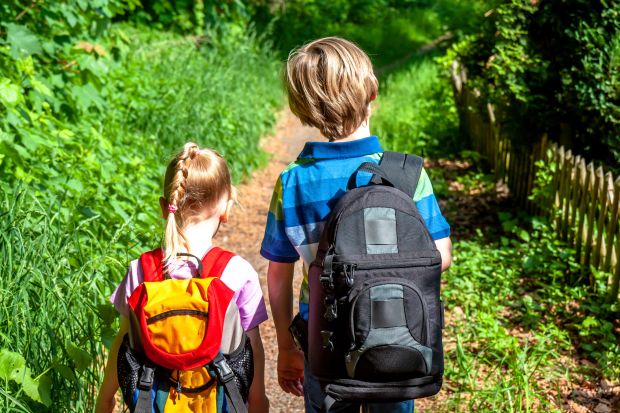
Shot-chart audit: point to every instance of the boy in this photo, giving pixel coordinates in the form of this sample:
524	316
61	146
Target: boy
330	84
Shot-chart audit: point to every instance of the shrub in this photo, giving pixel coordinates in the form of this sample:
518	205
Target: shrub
553	67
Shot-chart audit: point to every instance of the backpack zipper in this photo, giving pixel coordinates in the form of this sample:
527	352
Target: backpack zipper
412	262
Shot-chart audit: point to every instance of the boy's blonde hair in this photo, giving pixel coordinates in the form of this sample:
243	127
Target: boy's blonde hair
330	83
195	183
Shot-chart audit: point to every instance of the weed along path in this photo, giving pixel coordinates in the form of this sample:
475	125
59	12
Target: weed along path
244	233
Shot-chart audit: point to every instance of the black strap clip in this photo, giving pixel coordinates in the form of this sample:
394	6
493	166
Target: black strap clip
146	378
222	369
328	344
331	309
327	280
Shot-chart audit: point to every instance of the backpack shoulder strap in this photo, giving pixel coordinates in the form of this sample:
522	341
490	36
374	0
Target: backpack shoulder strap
152	263
403	170
215	261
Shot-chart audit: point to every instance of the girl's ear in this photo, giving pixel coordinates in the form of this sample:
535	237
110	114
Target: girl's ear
163	204
226	214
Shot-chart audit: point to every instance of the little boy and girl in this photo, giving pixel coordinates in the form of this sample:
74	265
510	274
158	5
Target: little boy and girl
330	85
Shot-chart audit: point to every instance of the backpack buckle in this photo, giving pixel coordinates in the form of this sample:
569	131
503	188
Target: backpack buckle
327	280
146	378
222	369
331	309
328	344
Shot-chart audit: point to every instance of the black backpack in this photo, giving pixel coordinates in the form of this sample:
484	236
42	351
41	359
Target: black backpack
376	317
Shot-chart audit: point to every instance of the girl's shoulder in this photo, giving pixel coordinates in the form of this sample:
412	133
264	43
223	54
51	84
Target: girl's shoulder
238	272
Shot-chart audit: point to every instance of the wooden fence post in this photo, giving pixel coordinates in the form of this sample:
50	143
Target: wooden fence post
602	210
592	198
584	176
615	279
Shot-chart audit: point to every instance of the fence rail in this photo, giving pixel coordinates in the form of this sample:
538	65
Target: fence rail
584	200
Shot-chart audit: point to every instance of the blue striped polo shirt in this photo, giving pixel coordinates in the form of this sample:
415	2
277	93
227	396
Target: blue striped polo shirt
308	189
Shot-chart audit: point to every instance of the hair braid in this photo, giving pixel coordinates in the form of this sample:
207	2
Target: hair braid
175	238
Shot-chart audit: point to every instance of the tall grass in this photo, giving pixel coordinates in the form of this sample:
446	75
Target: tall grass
53	287
416	111
85	203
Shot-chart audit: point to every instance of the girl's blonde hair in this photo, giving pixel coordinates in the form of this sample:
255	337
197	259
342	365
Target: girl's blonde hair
196	181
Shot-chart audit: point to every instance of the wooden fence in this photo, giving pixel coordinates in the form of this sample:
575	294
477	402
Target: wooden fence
584	199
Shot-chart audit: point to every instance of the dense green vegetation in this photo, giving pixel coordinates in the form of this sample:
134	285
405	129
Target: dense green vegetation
553	67
523	314
95	96
89	114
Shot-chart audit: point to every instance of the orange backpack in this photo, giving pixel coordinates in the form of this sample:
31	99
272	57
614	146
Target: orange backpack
186	350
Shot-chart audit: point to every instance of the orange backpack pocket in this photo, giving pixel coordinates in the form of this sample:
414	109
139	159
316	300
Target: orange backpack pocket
180	321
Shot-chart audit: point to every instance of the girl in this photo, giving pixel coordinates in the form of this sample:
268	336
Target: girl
198	197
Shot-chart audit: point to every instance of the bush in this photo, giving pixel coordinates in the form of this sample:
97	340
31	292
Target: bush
89	115
553	67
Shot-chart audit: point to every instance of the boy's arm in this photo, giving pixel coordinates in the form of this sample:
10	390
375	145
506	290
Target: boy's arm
109	386
257	399
444	245
290	359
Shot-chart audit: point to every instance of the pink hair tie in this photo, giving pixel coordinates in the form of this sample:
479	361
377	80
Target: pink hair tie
172	208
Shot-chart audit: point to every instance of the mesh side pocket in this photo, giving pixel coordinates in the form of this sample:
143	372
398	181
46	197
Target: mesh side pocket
241	361
128	370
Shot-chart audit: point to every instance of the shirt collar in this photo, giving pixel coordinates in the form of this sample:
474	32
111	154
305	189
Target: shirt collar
339	150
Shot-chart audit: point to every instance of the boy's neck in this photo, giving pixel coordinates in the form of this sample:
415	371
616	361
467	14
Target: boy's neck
363	131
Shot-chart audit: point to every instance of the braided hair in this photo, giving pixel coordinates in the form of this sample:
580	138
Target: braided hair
196	181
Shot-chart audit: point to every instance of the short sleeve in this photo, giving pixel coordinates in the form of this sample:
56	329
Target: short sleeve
276	245
128	284
428	207
241	277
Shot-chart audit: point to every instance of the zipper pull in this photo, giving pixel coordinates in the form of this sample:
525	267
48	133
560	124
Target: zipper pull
349	276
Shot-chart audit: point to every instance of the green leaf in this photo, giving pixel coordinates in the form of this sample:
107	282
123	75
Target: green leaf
65	371
106	312
11	364
10	94
524	235
81	358
37	389
86	96
22	40
108	334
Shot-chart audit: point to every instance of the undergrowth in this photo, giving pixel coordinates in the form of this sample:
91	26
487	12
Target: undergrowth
79	194
525	324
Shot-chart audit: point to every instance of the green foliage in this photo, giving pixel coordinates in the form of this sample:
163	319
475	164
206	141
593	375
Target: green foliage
387	30
516	319
90	113
553	68
416	111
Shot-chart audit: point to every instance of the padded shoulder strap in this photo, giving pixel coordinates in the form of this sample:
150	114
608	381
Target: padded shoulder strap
403	170
152	265
215	261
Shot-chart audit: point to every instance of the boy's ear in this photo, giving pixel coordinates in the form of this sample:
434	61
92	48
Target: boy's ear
163	204
373	97
226	214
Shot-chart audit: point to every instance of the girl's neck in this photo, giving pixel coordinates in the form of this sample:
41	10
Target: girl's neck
200	235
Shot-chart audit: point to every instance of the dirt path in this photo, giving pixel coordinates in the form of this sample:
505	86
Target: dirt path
244	233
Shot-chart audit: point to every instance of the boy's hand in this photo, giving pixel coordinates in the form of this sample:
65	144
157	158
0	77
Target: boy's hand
291	371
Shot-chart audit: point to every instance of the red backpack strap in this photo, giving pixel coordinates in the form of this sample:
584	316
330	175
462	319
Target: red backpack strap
214	263
152	263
